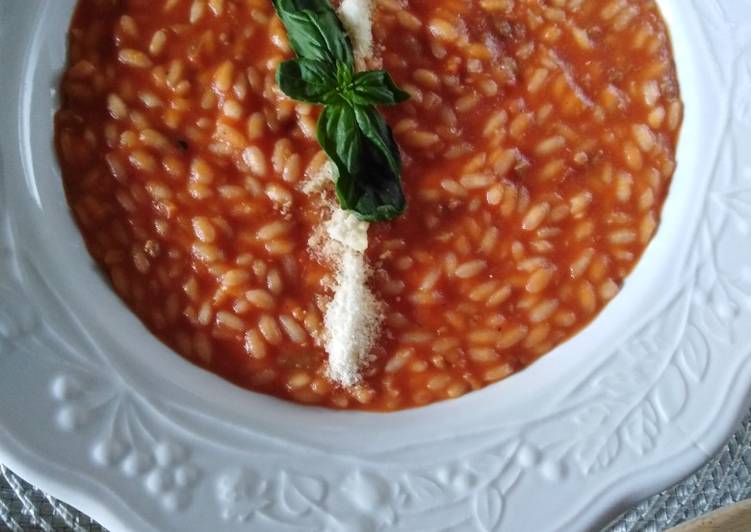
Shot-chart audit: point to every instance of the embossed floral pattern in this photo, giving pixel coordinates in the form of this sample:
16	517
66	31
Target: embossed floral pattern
125	443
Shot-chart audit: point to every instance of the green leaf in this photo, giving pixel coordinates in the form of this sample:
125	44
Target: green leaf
367	161
314	30
308	81
350	130
372	124
376	87
378	193
339	136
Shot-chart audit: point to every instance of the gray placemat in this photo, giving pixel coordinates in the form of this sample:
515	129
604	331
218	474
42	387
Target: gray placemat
724	480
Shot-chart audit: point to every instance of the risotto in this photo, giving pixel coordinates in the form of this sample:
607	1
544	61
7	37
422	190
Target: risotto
537	147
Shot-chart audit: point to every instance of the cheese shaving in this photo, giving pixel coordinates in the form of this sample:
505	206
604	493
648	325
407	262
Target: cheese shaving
354	316
317	182
352	320
356	16
345	228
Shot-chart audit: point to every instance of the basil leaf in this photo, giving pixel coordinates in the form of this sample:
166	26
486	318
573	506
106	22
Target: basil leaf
372	124
340	137
350	130
314	31
384	167
377	194
367	161
308	80
376	87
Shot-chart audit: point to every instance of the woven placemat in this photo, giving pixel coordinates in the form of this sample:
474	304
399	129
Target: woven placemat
724	480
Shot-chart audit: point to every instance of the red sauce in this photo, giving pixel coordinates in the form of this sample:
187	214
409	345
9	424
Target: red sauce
538	148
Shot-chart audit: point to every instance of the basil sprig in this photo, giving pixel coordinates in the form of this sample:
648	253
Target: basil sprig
351	131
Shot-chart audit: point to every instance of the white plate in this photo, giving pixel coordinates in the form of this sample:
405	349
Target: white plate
99	413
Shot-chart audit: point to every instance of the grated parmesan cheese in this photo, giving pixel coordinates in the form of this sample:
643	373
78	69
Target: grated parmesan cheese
352	320
354	316
317	182
345	228
356	16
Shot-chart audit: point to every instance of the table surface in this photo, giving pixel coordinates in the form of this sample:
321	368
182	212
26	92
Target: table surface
722	481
